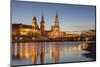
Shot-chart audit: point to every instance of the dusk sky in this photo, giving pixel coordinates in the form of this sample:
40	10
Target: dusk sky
71	17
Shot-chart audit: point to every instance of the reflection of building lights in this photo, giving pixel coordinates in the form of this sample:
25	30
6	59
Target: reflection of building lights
26	43
26	52
21	52
21	43
30	43
84	46
79	47
15	44
33	54
50	49
15	50
75	48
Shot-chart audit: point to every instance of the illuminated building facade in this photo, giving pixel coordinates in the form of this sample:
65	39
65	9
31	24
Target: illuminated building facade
40	33
34	30
55	30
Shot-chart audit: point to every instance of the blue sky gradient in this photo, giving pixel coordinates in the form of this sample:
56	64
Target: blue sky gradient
71	17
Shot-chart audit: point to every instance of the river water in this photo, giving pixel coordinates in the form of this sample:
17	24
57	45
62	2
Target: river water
48	52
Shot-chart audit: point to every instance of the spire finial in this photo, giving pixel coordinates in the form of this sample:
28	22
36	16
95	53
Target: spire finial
42	16
56	14
42	12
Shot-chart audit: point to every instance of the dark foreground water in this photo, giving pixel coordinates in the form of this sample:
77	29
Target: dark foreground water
51	52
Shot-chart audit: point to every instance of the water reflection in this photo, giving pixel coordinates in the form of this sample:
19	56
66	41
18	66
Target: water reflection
33	53
45	52
54	52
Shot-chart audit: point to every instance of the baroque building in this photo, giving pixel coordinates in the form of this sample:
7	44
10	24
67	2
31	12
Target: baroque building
25	29
35	31
55	30
35	28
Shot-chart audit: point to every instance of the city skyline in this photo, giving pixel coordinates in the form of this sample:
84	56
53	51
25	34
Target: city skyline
83	17
49	33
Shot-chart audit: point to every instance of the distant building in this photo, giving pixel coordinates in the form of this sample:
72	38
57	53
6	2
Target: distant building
55	30
22	29
30	32
35	27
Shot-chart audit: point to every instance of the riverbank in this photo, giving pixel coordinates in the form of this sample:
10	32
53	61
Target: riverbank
92	51
18	41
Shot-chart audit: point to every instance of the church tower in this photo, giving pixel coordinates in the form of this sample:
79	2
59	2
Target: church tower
34	25
57	23
42	25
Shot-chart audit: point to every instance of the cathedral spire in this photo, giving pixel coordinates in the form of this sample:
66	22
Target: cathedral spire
56	20
42	23
56	15
42	17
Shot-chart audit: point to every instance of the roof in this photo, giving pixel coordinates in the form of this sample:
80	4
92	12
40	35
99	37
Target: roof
18	25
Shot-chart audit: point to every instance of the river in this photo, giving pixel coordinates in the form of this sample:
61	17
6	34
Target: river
49	52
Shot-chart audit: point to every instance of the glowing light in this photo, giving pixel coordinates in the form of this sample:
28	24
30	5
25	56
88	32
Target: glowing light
27	29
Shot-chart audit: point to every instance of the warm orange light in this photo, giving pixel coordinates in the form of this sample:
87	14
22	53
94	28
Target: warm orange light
27	29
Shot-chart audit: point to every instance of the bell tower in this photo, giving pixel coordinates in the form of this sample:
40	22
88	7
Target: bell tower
34	25
42	25
56	24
